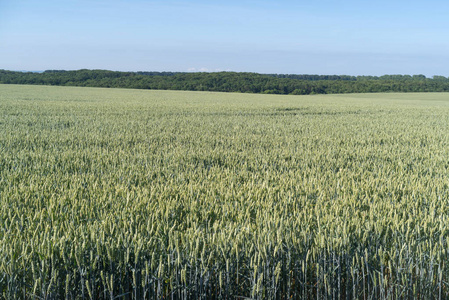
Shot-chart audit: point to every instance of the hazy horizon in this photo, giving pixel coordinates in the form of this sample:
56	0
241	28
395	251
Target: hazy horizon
42	71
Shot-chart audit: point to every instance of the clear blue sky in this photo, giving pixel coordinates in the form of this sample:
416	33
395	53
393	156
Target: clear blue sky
301	37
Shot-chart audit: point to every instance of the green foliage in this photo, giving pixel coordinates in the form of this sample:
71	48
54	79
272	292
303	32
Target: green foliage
232	82
159	194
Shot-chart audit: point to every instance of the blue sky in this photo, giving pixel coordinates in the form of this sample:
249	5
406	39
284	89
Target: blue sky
296	37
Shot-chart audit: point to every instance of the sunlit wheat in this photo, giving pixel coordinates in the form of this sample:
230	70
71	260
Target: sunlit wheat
110	194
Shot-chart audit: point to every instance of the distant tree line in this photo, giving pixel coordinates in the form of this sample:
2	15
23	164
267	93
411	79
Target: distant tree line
285	84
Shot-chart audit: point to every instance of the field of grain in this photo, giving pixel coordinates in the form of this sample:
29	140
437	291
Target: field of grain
134	194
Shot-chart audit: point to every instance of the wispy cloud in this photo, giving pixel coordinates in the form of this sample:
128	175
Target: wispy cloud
203	69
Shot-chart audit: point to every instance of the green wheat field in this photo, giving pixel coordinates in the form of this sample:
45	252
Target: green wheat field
140	194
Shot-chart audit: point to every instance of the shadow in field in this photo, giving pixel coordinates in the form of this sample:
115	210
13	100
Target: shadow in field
281	112
293	111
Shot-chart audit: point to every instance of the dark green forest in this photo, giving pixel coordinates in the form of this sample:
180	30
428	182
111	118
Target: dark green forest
286	84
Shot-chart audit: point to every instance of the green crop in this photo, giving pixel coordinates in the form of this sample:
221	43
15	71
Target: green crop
108	193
